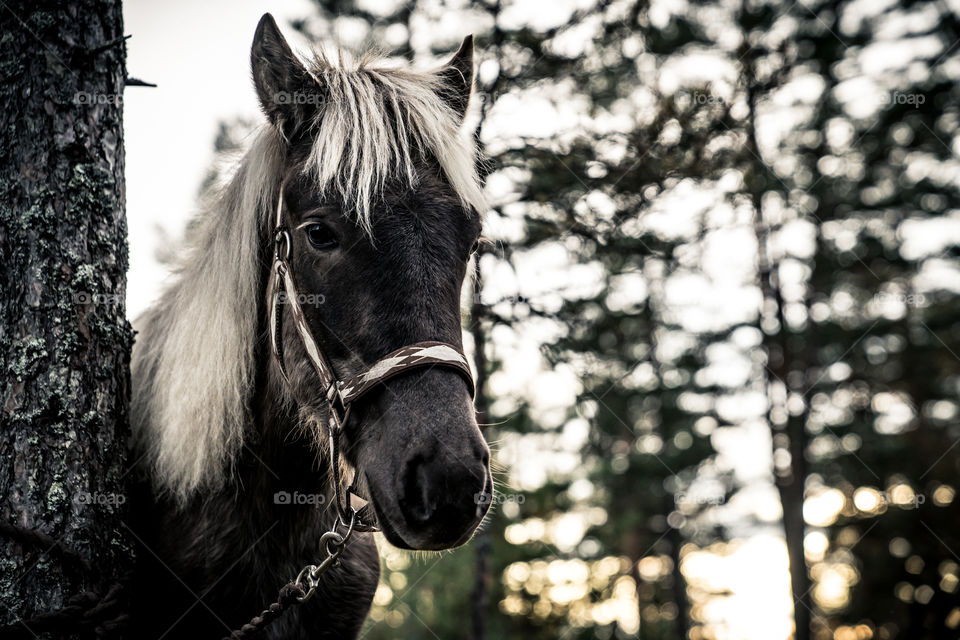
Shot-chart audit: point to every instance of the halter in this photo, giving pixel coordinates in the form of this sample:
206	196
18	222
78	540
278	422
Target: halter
340	394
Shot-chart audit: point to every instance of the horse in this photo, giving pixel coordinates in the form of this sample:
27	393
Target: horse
312	332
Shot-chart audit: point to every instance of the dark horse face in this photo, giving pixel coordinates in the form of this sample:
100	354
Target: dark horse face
415	442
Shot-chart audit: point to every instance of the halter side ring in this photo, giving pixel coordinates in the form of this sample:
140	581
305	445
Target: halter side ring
282	235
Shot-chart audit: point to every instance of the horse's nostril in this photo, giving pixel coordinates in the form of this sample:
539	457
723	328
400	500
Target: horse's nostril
420	501
444	498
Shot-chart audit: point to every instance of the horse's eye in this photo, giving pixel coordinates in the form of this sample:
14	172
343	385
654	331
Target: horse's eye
321	237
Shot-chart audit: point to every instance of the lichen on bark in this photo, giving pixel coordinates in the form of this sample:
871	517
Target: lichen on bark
64	337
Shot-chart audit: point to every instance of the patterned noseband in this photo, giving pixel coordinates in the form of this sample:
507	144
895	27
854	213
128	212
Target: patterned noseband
342	393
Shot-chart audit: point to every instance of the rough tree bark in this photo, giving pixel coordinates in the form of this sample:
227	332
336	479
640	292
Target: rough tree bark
64	337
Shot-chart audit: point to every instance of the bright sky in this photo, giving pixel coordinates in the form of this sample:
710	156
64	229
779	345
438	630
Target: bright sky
198	53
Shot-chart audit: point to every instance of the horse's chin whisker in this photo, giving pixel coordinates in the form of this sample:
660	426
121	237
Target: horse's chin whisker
493	424
499	470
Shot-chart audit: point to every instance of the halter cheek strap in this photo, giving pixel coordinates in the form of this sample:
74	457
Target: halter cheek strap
341	394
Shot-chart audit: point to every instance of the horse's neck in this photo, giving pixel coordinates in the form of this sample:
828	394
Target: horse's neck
280	463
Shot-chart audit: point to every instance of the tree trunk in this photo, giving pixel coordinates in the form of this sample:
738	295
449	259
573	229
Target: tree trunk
790	482
780	364
64	337
481	579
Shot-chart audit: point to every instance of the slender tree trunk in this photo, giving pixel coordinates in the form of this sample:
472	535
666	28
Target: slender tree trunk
64	337
790	482
681	624
478	312
785	427
481	542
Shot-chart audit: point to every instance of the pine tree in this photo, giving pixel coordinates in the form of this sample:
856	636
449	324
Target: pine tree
851	343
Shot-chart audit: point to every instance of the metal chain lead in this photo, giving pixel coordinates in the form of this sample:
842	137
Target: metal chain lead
333	543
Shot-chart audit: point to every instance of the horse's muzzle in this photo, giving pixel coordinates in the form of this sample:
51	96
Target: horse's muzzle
444	498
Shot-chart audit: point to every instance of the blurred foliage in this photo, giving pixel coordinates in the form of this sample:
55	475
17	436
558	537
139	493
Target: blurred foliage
864	337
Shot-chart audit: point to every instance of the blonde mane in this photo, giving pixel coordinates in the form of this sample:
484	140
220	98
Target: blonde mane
193	367
376	120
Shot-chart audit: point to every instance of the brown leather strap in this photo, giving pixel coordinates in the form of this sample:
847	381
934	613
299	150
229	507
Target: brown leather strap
421	354
285	294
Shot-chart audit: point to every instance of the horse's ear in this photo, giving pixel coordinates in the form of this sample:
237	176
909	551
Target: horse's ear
288	93
457	78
